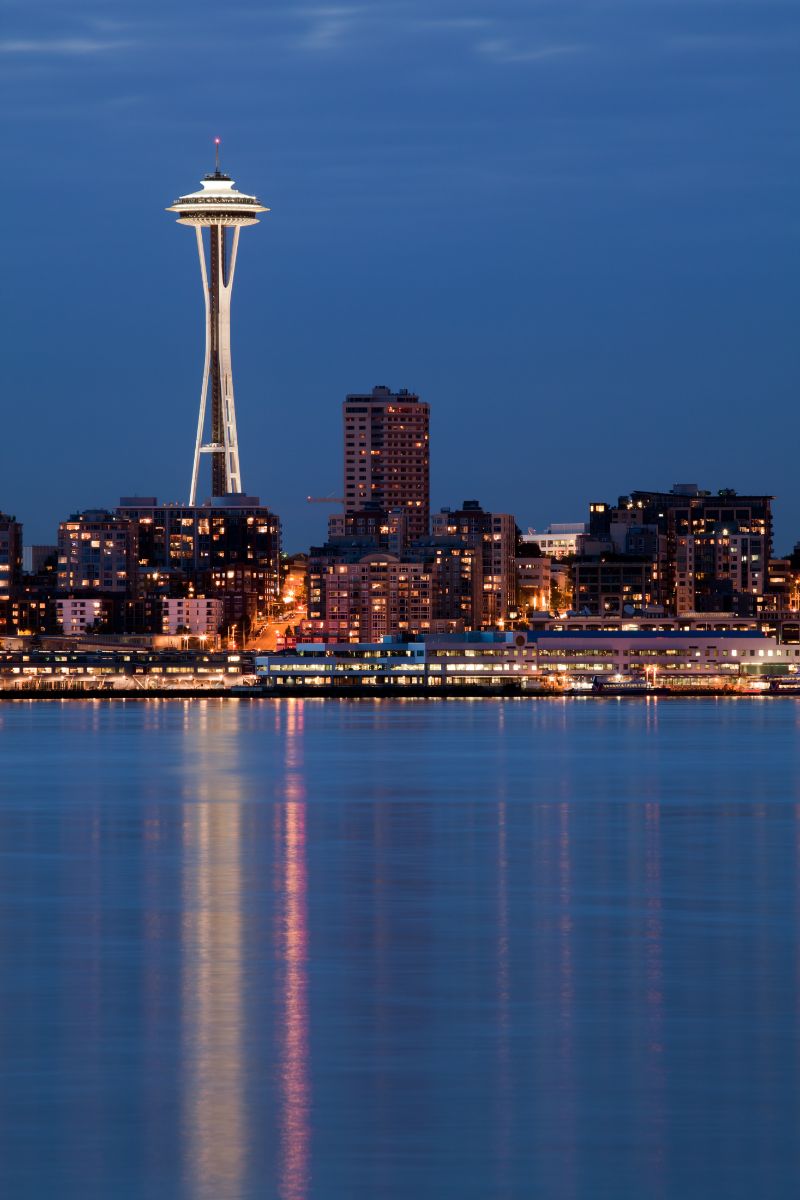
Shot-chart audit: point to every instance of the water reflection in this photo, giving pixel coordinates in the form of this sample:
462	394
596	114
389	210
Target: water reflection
291	937
156	988
551	955
566	1003
214	1143
654	984
86	1008
504	1097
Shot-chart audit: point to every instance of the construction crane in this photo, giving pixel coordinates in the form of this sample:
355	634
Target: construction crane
325	500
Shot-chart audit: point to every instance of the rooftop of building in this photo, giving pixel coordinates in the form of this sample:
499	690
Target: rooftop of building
642	634
467	506
559	529
381	393
233	501
93	515
691	491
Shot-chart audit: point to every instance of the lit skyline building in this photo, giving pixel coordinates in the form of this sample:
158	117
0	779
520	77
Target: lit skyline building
97	552
387	455
10	564
228	547
495	536
222	210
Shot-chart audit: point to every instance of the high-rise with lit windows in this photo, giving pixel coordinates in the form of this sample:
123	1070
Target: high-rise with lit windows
495	536
228	548
387	455
97	554
710	550
10	564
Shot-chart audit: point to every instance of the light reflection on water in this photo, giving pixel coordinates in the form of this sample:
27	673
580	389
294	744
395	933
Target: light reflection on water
292	948
311	949
212	974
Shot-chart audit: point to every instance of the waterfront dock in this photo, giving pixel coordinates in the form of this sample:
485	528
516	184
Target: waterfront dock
517	663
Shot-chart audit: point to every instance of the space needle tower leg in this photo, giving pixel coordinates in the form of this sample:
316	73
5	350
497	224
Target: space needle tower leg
225	472
201	421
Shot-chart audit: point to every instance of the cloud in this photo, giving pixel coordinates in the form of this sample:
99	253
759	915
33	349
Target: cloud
454	23
502	50
338	27
58	46
335	28
327	28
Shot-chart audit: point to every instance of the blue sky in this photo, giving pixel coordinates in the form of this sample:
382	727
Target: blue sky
571	225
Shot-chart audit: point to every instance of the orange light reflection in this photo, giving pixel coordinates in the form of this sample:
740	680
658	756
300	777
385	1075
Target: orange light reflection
292	942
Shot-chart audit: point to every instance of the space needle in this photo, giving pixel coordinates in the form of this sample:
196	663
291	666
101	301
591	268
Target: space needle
222	210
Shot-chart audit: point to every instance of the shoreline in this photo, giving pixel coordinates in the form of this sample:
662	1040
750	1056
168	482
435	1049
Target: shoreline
384	694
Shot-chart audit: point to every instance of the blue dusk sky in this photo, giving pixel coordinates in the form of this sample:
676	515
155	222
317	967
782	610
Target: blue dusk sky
570	225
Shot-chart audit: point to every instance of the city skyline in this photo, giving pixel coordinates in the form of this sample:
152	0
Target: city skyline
400	800
495	235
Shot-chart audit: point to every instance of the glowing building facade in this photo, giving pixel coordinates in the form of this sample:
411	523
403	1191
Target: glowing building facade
387	455
10	557
97	554
495	535
228	548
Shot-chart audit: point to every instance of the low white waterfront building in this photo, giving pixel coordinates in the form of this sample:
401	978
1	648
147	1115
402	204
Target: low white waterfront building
533	657
318	663
668	654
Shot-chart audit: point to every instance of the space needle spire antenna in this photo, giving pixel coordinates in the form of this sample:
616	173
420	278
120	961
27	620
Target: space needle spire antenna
220	209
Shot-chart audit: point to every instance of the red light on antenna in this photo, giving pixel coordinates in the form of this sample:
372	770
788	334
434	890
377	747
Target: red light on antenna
217	141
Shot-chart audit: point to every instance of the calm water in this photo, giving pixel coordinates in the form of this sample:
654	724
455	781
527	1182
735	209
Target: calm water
312	949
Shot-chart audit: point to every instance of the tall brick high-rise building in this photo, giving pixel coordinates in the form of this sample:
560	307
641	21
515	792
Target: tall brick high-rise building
387	455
